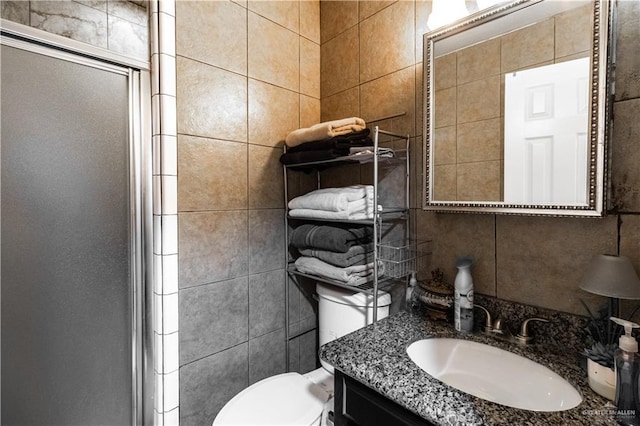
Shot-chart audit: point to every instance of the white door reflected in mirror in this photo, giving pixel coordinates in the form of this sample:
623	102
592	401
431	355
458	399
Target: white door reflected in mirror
545	134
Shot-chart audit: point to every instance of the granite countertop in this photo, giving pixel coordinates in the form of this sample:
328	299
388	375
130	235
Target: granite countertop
376	356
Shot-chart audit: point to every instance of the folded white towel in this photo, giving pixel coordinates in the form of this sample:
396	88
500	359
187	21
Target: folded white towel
325	130
323	214
332	199
360	206
355	210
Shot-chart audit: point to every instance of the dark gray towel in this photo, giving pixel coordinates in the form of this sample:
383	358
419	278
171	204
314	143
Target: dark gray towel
340	144
356	255
327	149
307	157
337	238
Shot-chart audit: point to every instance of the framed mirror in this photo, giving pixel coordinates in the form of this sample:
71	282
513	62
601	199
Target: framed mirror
516	104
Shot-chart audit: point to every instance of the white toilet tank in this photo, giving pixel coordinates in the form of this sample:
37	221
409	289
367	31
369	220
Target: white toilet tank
341	311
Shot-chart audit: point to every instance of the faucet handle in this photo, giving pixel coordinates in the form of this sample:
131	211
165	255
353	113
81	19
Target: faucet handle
524	336
488	325
499	326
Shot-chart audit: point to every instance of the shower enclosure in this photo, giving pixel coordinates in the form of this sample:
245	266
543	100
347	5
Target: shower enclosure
75	220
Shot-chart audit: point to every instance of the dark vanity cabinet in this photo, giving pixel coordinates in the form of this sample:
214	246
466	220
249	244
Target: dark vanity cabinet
357	404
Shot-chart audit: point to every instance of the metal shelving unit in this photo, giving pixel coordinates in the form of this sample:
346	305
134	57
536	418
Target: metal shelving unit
397	256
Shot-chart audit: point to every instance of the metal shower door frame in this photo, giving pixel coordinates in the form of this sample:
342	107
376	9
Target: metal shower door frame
140	190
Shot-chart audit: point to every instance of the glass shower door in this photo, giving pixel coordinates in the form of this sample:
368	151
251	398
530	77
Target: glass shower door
67	269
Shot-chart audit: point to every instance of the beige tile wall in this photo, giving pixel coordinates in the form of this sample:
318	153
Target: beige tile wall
534	260
247	73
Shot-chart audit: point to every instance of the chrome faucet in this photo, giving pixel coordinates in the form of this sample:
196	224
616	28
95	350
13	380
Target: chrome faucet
488	325
495	327
525	337
498	329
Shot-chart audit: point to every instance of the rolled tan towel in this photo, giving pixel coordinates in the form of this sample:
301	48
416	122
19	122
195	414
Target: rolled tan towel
325	130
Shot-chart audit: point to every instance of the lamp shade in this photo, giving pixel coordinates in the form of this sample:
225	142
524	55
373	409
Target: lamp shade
611	276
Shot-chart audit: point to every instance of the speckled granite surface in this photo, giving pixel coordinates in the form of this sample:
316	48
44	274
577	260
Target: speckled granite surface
562	327
376	356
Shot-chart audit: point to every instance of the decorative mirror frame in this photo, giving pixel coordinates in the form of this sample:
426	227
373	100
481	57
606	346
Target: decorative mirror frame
601	90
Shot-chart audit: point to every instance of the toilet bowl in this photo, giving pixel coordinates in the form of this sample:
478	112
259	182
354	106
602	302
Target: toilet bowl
299	399
284	399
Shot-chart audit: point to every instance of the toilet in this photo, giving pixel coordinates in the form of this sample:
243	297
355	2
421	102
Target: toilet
299	399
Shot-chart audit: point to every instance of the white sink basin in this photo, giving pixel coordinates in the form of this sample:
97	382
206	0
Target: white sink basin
494	374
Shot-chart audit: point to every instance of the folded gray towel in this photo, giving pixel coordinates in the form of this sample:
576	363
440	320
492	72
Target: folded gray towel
356	255
352	275
336	238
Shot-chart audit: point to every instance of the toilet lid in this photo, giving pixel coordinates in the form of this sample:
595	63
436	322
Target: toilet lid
285	399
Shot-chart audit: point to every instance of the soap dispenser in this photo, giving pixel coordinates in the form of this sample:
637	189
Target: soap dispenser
627	366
